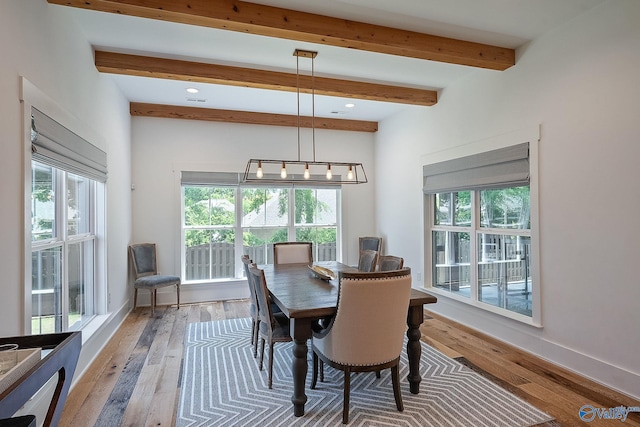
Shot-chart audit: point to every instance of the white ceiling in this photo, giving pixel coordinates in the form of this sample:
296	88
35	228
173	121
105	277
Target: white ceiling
505	23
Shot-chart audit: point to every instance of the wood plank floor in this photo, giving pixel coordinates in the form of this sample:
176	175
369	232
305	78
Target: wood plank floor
135	379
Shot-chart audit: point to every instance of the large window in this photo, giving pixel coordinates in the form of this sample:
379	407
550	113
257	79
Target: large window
221	222
63	249
487	260
66	211
479	243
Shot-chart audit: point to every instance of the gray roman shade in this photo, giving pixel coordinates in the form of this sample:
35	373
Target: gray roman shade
504	167
233	179
230	179
57	146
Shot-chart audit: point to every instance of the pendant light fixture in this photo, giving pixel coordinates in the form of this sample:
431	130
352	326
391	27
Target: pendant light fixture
304	171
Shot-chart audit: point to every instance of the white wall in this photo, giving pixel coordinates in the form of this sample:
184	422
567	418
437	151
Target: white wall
40	44
164	147
580	83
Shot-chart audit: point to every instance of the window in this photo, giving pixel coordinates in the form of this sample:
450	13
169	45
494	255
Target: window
65	184
63	248
479	220
222	221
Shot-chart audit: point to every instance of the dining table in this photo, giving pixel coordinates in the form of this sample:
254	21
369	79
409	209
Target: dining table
304	298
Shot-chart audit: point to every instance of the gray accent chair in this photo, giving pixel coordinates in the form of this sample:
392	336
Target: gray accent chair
367	332
145	271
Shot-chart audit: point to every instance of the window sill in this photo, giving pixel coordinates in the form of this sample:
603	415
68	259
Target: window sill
486	307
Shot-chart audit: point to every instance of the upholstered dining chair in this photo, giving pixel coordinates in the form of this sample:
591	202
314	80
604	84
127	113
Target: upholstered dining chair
145	270
292	252
273	327
370	243
372	309
253	304
368	261
390	262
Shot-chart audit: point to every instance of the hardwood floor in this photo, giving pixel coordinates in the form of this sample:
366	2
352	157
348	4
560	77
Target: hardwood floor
135	379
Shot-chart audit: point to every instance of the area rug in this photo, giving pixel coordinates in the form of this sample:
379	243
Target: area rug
222	386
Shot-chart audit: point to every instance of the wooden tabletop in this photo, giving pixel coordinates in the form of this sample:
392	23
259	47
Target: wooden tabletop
300	294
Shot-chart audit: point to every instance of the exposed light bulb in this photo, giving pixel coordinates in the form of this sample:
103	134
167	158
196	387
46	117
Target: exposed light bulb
350	173
283	172
259	171
329	174
306	171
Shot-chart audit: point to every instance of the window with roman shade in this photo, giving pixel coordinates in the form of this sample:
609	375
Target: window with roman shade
67	195
479	245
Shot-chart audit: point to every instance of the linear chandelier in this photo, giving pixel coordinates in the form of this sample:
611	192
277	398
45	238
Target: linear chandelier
304	171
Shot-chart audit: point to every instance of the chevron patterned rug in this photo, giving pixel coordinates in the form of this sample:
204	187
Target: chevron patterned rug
222	386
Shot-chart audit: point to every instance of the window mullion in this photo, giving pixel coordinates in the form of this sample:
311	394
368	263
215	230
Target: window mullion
292	215
62	204
473	236
238	239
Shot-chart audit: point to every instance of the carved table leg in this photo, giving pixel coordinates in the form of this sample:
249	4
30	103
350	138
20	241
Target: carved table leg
300	331
414	349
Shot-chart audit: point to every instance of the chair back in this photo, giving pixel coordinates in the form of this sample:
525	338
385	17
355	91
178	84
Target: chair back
143	258
370	243
368	260
252	290
265	313
371	318
293	253
390	262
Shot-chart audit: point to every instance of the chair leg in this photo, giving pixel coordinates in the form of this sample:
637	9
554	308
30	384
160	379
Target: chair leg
178	292
253	331
347	392
271	365
255	344
153	301
261	352
135	298
397	393
314	377
378	375
321	371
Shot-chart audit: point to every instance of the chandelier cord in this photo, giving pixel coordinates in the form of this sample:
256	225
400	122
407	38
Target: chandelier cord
313	107
298	92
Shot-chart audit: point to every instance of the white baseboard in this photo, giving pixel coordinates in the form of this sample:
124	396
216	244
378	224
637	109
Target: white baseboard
530	339
197	293
95	336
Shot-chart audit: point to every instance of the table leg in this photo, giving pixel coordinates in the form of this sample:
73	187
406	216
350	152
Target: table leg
300	332
415	318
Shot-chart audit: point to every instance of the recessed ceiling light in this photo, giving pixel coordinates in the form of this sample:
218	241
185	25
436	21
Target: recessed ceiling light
192	90
350	105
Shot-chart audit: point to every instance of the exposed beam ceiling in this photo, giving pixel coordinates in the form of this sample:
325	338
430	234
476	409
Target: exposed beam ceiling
214	115
134	65
307	27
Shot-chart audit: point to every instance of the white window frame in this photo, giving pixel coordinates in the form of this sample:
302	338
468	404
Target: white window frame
63	240
31	96
238	227
532	135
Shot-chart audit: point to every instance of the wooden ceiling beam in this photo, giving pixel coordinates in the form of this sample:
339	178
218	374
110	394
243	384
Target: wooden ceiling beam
231	116
307	27
144	66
